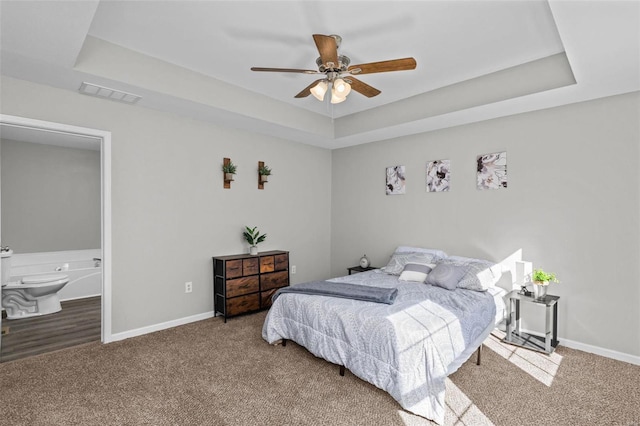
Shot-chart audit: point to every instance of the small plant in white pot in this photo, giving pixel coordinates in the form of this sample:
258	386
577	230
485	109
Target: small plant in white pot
229	170
264	172
253	237
541	280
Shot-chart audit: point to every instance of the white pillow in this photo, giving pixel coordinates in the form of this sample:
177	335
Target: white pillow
416	272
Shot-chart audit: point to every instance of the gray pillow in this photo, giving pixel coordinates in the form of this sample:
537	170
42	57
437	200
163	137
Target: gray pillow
446	275
438	254
481	274
398	260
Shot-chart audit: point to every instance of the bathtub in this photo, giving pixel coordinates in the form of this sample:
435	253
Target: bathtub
85	274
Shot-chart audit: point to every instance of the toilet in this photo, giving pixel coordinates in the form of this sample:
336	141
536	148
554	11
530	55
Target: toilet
31	296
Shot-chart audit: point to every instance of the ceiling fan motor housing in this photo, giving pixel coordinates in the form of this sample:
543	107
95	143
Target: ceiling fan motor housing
343	64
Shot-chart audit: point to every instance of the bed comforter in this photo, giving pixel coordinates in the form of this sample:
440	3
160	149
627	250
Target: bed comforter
407	348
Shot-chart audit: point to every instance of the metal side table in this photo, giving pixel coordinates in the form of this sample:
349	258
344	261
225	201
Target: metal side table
546	344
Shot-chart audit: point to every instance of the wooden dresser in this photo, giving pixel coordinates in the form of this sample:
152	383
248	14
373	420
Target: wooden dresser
245	283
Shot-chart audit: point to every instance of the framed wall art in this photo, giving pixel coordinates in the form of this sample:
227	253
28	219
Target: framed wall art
438	175
395	180
492	170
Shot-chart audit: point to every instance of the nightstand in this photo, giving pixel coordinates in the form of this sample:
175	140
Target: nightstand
360	269
546	344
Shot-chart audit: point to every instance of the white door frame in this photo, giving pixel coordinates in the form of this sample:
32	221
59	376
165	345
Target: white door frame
105	166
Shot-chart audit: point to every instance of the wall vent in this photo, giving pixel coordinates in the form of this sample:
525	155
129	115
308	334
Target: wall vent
107	93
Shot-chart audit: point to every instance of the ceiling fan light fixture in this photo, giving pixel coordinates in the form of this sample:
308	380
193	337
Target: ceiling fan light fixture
341	87
336	97
319	90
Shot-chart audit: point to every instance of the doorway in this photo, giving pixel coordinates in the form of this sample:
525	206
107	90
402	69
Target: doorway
52	133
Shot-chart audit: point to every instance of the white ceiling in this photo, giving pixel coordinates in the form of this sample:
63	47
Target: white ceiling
451	42
212	44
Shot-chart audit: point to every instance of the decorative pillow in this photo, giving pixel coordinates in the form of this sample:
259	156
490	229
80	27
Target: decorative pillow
398	260
446	275
416	272
481	274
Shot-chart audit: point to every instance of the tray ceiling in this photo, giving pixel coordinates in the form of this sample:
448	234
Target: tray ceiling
193	58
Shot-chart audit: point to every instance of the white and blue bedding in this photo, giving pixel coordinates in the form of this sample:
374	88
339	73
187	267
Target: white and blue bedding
407	348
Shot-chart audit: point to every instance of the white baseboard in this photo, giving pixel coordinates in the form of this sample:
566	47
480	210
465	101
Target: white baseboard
81	297
157	327
607	353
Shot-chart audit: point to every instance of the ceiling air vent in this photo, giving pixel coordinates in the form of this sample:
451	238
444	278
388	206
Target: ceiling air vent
107	93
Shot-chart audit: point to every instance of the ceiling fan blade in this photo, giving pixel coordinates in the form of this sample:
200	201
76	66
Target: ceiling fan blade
384	66
363	88
327	48
284	70
307	90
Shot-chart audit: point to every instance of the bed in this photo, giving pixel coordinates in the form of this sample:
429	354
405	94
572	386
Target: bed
407	348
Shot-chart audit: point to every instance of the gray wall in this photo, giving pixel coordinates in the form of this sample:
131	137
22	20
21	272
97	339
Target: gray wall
50	197
572	204
170	210
572	207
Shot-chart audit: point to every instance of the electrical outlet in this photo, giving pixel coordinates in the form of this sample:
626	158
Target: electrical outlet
188	287
293	269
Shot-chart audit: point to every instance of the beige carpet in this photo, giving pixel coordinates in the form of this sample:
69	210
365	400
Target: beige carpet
211	373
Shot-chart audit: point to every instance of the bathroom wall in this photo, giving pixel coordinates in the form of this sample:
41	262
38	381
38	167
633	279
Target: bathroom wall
50	197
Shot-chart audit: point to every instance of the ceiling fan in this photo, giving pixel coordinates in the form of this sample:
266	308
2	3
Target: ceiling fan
338	72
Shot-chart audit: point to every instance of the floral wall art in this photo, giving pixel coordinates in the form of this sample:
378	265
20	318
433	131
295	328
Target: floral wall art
395	180
492	170
438	175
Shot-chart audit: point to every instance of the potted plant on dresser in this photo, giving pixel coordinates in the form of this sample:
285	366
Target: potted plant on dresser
541	280
253	237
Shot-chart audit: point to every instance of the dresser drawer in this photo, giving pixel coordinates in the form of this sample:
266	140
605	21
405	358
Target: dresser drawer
267	264
274	280
233	268
250	266
244	285
281	262
242	304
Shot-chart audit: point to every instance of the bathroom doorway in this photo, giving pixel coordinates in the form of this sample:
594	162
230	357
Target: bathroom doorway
97	275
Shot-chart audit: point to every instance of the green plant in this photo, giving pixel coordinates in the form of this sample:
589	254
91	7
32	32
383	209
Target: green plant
252	235
542	276
264	170
229	168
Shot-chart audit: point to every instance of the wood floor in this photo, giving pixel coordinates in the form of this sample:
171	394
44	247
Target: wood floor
78	322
